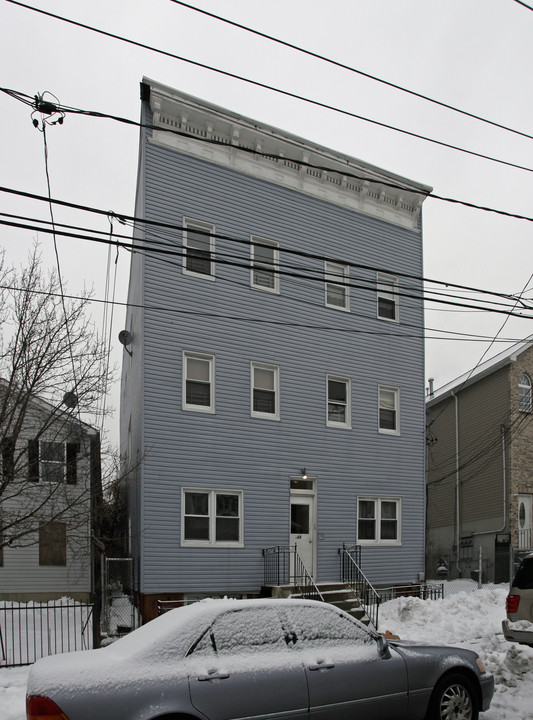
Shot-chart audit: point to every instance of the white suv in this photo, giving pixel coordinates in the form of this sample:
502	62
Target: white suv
519	605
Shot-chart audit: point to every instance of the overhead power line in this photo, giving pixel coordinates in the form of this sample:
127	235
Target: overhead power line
524	4
252	320
303	273
247	242
265	86
28	100
344	66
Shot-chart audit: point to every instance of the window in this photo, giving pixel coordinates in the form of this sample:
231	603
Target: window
53	543
387	286
320	627
389	409
338	402
265	262
199	248
53	462
211	517
198	382
265	391
524	393
249	631
337	295
378	521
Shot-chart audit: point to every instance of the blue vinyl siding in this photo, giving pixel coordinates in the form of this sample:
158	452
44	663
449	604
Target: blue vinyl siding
236	324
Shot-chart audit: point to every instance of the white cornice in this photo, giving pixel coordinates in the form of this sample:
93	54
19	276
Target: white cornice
368	192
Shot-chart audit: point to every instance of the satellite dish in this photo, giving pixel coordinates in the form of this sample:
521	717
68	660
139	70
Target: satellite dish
70	399
124	337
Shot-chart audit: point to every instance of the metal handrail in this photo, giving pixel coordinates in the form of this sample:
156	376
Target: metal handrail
279	570
354	577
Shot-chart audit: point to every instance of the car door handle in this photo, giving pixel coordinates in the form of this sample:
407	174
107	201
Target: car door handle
322	666
213	676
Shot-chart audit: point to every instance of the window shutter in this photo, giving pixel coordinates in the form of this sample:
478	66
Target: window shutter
72	463
8	459
33	460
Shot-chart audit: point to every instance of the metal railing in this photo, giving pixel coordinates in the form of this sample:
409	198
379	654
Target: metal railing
283	566
29	631
424	591
525	539
354	577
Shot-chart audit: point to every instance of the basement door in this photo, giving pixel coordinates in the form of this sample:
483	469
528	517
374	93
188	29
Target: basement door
303	529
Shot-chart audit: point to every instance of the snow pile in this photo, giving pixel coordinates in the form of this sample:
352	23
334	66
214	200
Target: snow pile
471	620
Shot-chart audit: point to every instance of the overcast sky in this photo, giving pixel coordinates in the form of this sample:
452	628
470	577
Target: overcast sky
473	54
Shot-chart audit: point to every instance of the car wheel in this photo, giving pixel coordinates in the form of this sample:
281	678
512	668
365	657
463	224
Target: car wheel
453	699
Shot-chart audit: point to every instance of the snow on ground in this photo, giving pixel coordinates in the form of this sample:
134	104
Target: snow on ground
471	619
467	618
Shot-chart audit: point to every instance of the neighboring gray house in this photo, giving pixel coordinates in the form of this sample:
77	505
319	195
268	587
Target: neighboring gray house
273	376
49	469
479	467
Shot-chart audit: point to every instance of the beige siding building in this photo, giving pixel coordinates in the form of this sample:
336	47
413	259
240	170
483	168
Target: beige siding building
480	468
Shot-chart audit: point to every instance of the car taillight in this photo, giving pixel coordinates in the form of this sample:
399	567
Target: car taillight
511	603
42	708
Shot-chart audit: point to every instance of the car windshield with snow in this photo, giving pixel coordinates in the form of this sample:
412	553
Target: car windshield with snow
229	659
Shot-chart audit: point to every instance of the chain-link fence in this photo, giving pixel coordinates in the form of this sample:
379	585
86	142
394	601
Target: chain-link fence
119	615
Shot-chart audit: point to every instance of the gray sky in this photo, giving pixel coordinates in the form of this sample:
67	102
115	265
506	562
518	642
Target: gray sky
473	54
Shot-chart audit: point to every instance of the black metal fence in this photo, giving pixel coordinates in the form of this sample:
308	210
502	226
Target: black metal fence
29	631
277	565
424	591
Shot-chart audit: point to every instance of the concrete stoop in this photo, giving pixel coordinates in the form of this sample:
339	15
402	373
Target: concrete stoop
338	594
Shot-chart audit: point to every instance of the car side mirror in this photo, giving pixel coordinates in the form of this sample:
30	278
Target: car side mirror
383	648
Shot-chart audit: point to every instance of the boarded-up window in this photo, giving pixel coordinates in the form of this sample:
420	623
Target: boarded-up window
53	543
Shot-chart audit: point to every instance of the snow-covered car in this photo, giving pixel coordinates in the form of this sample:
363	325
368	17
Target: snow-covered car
227	659
519	605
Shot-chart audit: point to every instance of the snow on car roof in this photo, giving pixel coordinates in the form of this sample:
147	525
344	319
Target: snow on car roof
153	650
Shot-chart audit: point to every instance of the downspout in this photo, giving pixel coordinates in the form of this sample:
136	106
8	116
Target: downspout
457	495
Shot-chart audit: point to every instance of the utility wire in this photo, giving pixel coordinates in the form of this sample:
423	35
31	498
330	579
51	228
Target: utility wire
247	265
43	124
343	66
265	86
237	318
302	272
424	193
524	4
369	286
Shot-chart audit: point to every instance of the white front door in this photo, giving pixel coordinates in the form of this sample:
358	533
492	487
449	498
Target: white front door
303	529
525	522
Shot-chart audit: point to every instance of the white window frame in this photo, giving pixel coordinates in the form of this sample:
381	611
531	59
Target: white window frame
271	268
212	496
387	289
377	519
347	424
396	394
204	227
524	393
275	370
190	355
338	275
